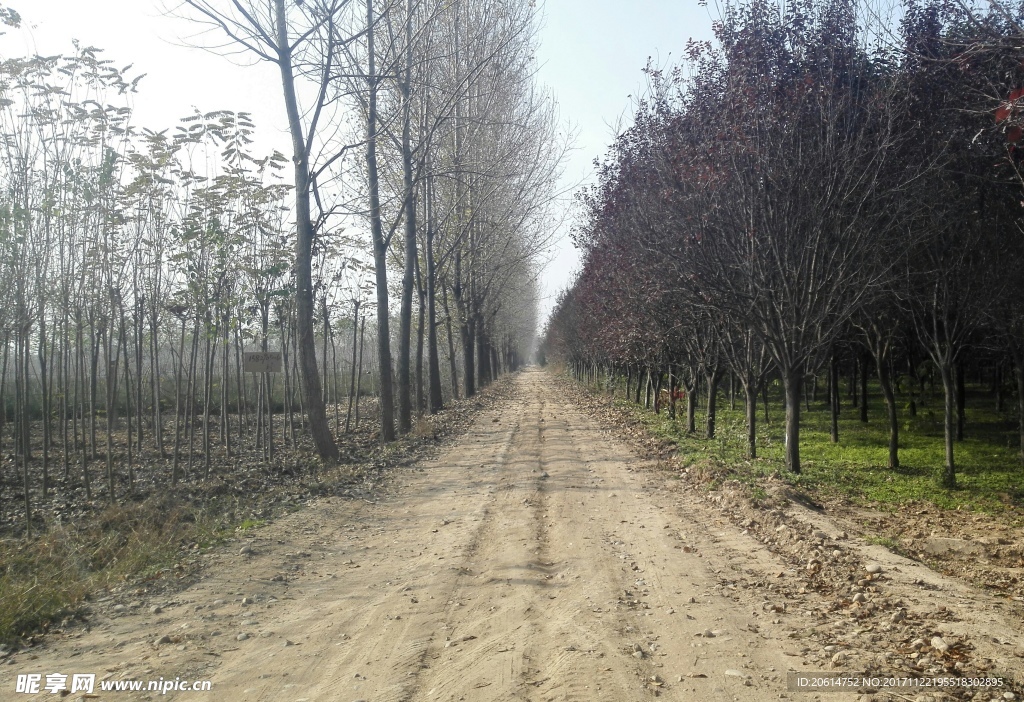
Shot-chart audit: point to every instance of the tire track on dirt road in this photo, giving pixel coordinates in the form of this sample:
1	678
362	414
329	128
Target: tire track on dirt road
537	559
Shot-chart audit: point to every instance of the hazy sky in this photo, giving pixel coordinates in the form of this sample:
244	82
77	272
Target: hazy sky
592	54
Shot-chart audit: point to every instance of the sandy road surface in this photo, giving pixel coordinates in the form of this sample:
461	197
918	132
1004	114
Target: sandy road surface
537	559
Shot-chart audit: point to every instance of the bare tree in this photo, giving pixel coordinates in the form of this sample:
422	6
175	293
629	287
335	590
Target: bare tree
302	40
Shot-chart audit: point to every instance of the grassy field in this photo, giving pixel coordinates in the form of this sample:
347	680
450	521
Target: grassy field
989	470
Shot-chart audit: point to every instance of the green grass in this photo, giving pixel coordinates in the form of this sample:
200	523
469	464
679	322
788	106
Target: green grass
886	541
989	472
250	523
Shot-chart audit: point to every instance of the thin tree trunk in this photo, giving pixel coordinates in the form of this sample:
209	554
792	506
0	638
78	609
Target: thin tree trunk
791	380
691	402
833	397
45	399
420	333
948	477
750	393
409	204
864	386
359	370
352	380
178	407
304	235
885	383
435	401
154	364
452	363
713	379
387	411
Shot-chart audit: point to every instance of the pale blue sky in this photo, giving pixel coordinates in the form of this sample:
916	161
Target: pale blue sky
592	54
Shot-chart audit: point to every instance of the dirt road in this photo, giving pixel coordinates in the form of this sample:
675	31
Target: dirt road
537	559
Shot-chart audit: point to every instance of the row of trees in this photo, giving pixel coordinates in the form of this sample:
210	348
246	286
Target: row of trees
137	265
444	93
801	189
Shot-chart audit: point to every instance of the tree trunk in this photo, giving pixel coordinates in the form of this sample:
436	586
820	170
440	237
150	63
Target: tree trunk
304	234
352	379
750	392
833	397
409	205
885	382
948	477
468	355
791	380
657	392
647	389
380	249
178	409
359	370
453	368
713	379
420	334
436	401
863	386
691	404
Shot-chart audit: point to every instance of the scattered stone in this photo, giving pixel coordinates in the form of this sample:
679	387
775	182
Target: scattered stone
838	658
708	634
249	622
165	639
1009	696
288	642
820	535
544	475
873	568
733	673
939	644
218	603
860	598
156	609
120	609
242	637
247	600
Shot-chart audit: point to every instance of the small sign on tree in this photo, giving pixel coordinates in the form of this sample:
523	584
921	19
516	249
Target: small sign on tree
261	361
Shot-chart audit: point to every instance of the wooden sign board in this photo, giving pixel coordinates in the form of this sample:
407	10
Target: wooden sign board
261	361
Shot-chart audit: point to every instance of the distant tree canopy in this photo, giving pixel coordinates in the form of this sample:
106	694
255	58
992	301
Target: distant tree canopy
797	190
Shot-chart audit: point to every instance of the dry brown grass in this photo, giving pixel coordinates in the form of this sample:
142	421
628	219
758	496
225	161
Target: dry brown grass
47	578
